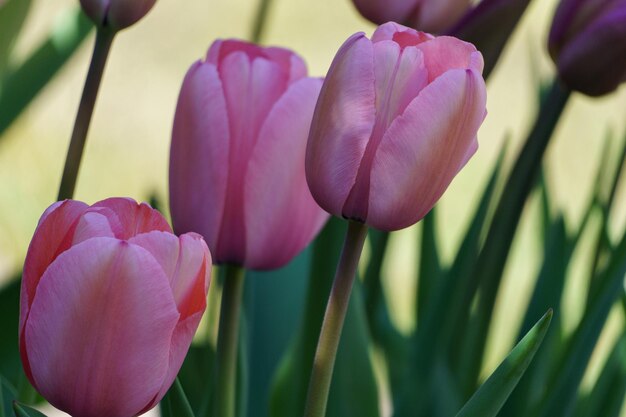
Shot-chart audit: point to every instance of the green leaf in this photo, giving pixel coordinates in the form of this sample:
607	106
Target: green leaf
24	83
492	394
489	268
609	391
547	294
12	16
561	397
429	266
8	394
22	410
175	401
196	378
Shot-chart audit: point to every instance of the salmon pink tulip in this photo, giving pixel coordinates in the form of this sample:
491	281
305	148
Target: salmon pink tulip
396	120
117	14
237	155
588	44
110	302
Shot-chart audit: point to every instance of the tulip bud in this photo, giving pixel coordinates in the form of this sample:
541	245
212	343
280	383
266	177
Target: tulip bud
588	44
237	155
396	120
428	15
110	302
118	14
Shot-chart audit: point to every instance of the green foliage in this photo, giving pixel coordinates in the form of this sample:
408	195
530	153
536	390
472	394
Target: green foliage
23	83
175	403
496	389
22	410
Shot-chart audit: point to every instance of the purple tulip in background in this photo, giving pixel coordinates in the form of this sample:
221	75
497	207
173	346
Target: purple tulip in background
110	302
396	120
237	155
588	44
117	14
487	24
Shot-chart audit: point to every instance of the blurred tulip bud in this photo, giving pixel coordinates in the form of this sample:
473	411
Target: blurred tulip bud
118	14
237	155
110	302
396	120
588	44
427	15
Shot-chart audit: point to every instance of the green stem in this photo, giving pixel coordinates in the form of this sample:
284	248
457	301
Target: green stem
321	374
227	340
104	40
260	20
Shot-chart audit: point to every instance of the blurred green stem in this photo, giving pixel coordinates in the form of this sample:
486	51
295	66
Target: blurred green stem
260	20
104	40
227	340
321	374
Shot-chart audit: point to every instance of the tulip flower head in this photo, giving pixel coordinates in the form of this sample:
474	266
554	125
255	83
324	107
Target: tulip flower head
588	44
117	14
428	15
396	120
237	155
110	302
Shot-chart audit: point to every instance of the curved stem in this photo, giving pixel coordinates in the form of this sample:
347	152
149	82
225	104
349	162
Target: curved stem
227	341
104	40
321	374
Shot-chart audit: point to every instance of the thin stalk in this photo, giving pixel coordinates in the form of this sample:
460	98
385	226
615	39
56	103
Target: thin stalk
260	19
104	40
321	374
227	341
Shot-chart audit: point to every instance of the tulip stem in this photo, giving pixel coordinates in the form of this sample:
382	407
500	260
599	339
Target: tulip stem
321	374
227	340
104	40
260	20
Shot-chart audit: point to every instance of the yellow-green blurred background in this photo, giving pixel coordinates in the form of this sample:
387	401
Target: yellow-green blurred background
127	149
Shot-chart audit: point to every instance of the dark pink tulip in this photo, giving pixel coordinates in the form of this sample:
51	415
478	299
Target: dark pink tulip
237	156
110	302
396	120
427	15
118	14
588	44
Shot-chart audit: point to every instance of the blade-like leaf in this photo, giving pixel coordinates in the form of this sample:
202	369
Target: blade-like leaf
22	410
24	83
561	397
429	267
492	394
609	391
12	16
175	401
8	394
493	256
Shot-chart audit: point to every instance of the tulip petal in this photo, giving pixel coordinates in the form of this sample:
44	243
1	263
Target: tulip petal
445	53
381	12
94	223
134	218
199	155
342	124
424	148
281	215
437	16
122	14
262	83
52	237
186	261
101	322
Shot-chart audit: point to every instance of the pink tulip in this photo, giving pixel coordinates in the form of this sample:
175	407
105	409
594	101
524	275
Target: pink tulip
117	14
428	15
396	120
110	302
237	157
